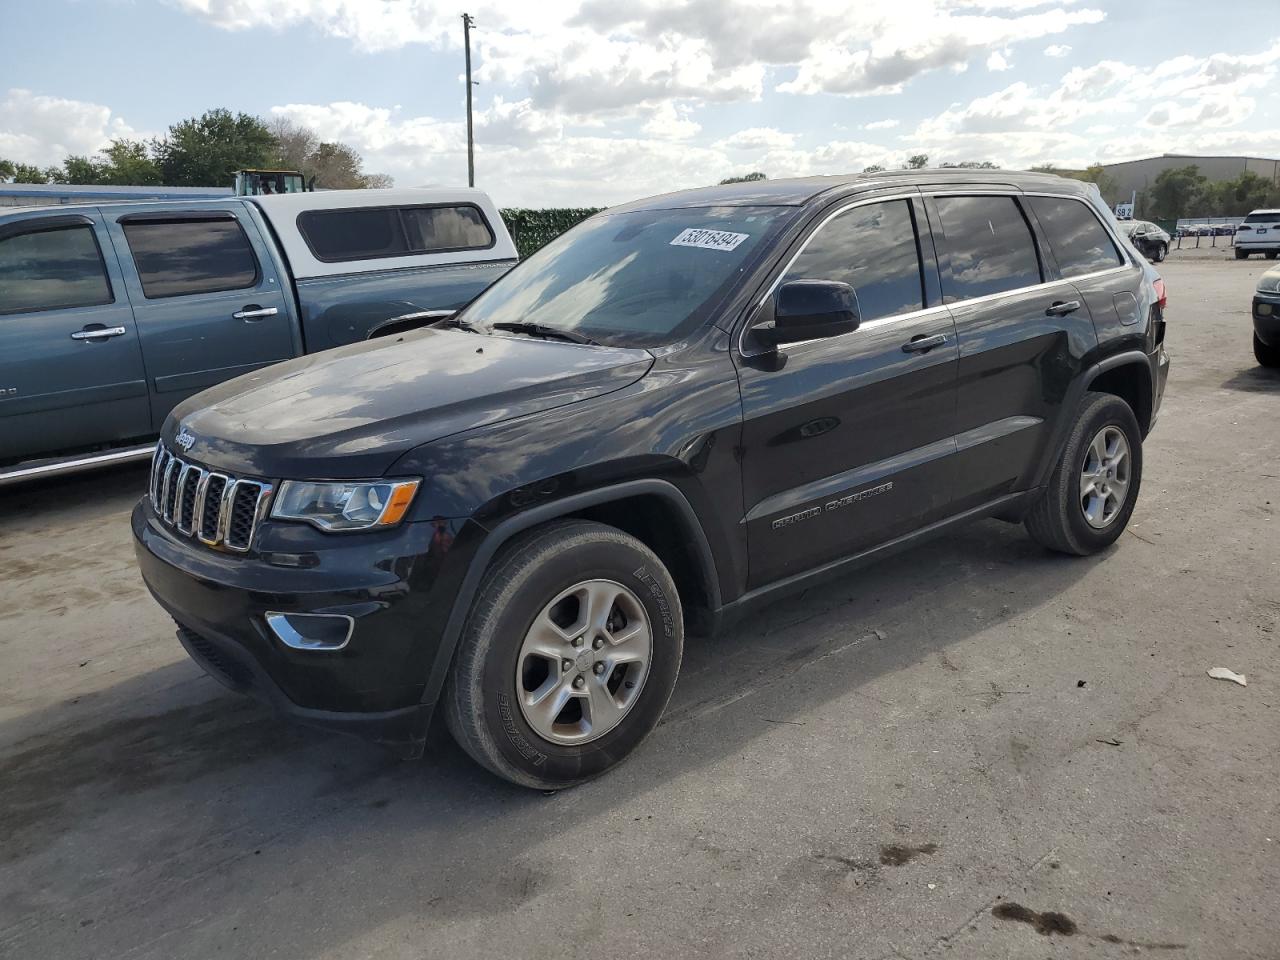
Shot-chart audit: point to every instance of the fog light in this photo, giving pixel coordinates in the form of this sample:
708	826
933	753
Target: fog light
1264	309
311	631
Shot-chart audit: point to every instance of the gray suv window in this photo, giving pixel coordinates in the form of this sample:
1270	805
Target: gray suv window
1079	242
52	270
872	248
366	233
989	247
182	257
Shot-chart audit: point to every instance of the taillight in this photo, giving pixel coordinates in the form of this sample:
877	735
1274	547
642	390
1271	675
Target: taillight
1243	227
1161	296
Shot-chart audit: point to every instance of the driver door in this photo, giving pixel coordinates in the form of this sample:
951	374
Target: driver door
848	439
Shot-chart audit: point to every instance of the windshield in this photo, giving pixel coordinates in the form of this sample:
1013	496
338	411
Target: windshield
631	279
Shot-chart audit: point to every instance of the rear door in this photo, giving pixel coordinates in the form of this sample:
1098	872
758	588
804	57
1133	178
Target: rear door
71	371
1021	335
848	440
208	301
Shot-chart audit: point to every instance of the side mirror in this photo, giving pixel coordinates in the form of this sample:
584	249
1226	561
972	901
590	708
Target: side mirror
810	310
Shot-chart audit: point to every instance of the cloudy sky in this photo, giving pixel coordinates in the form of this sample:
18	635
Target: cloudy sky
585	102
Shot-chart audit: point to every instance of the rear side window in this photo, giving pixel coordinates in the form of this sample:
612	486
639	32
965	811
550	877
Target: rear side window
1080	243
989	246
52	270
364	233
182	257
873	249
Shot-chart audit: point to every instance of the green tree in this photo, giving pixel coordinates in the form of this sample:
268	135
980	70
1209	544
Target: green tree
129	163
1175	191
746	178
7	169
917	161
207	150
874	168
28	173
80	170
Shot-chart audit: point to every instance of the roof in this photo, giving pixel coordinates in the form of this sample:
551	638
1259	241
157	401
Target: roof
800	191
292	204
96	191
1190	156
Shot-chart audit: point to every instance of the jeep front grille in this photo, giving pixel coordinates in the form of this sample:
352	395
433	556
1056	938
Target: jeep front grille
215	508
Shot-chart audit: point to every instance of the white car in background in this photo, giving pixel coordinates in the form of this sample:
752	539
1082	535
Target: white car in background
1259	233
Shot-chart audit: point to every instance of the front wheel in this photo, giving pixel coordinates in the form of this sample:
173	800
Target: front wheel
569	655
1267	354
1242	254
1162	251
1094	486
1271	254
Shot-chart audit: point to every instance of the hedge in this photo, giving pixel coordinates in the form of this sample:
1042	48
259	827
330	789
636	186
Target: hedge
531	229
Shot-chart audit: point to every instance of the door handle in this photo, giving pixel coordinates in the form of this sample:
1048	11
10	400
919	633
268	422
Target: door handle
1060	308
254	312
923	344
100	334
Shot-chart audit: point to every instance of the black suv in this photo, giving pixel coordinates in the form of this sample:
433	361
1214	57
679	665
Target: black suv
679	410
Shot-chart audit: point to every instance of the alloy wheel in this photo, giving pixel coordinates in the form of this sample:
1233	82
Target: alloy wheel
1104	478
583	662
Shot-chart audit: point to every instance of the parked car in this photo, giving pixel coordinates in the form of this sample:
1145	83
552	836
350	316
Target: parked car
1152	242
1266	319
111	315
678	411
1259	233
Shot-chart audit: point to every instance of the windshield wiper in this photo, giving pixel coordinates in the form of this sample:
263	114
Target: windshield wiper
452	322
542	330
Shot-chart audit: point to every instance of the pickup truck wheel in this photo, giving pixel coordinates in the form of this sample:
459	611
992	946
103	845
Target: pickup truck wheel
568	657
1267	355
1094	486
1242	254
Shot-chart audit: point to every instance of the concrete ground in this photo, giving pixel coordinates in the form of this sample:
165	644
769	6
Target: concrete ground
975	750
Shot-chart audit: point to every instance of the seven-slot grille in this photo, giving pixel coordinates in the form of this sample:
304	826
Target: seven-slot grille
217	509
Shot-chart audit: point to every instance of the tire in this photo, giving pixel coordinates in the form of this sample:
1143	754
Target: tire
1267	355
1242	254
497	672
1162	251
1058	519
1271	254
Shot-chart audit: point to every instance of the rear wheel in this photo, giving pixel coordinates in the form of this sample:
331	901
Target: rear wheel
1271	254
1268	355
1242	254
568	658
1162	251
1094	486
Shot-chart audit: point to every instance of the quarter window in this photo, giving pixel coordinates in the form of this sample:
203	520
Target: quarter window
182	257
1079	242
364	233
873	249
52	270
989	247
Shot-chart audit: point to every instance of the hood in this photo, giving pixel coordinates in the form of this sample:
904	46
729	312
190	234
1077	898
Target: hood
353	411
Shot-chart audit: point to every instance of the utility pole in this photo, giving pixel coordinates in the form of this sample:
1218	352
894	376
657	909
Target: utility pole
467	23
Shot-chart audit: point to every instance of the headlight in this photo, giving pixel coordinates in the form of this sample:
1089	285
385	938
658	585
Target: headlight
1270	282
354	505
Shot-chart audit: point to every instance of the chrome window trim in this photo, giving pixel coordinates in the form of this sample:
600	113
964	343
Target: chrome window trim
948	191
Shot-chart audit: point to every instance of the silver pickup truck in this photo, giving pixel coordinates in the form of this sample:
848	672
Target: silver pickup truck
112	314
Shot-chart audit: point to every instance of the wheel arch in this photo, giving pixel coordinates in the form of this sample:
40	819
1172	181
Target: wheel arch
1128	378
654	511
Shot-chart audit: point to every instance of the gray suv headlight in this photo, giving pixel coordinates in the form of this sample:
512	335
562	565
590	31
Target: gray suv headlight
341	506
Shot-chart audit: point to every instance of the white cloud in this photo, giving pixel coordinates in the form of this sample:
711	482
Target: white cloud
880	125
1057	50
43	130
669	122
758	138
998	61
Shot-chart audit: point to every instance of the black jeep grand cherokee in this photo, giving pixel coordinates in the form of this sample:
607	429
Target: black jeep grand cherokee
678	410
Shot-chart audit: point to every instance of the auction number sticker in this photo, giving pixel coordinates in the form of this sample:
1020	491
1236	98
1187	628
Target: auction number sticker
708	239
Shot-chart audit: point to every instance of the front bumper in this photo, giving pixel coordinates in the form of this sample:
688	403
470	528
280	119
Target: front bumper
388	583
1266	318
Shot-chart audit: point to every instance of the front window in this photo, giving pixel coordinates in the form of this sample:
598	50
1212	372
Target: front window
632	279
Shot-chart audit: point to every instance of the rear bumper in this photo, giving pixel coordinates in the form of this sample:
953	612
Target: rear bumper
1266	318
392	585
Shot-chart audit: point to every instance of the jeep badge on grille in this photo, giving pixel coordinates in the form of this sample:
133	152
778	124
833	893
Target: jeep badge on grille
184	439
